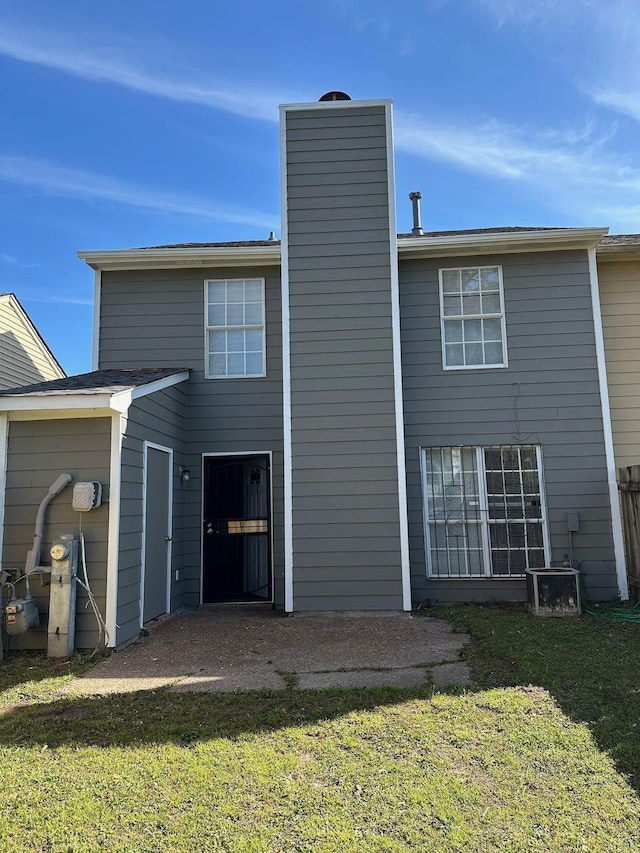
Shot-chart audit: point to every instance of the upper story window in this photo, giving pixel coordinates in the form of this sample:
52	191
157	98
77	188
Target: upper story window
472	318
235	328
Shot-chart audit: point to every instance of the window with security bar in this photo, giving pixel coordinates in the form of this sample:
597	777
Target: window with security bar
484	509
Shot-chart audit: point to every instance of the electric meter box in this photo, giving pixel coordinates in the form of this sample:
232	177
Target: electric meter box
20	615
86	496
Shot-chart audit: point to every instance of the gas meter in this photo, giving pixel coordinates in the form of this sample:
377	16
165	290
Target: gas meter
20	615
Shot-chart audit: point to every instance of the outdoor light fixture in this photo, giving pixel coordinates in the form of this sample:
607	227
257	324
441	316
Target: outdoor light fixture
185	474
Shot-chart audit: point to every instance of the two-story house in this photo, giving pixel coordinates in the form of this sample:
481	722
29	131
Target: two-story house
346	420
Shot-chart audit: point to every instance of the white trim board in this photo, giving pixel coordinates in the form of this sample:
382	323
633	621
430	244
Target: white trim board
286	373
97	297
118	428
405	566
4	444
337	105
146	445
614	499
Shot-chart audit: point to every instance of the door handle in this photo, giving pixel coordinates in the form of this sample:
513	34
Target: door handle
209	527
168	538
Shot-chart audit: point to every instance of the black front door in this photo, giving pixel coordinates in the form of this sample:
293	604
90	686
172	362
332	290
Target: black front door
236	535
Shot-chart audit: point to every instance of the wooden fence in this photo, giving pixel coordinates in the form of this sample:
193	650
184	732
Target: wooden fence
629	486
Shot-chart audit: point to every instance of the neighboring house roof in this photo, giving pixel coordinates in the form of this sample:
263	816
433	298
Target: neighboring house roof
619	247
26	354
97	382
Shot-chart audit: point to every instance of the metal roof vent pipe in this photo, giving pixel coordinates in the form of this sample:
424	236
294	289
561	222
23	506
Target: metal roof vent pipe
415	197
335	96
272	236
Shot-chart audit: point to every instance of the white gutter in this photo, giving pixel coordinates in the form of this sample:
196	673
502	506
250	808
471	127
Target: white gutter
408	247
503	241
126	259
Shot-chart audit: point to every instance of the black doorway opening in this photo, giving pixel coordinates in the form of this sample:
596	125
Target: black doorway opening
236	538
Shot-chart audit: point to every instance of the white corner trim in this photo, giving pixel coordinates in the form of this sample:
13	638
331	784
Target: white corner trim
397	367
118	427
616	516
97	295
4	442
286	372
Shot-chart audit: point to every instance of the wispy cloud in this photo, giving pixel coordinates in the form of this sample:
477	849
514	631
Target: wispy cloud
57	300
539	12
608	68
57	180
175	81
15	262
572	170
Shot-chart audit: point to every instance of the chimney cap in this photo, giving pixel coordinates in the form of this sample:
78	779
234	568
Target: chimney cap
335	96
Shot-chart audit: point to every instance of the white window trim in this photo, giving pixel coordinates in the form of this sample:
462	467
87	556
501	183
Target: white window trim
484	509
502	317
208	328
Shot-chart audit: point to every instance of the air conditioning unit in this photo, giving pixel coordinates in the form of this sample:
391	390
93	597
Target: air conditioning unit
554	591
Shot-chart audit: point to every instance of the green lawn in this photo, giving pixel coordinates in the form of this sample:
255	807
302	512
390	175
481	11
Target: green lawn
541	757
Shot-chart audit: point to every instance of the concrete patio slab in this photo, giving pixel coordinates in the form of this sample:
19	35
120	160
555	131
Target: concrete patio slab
219	649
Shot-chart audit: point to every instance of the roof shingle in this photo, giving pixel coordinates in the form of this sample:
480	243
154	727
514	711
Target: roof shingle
105	381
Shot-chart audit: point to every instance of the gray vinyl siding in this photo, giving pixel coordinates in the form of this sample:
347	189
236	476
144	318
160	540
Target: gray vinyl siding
155	318
549	395
158	418
38	452
346	531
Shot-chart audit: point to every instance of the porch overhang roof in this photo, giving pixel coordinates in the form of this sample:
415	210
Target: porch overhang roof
81	402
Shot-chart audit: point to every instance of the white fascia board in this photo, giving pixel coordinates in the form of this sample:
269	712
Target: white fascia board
336	105
159	384
503	242
121	401
214	256
51	402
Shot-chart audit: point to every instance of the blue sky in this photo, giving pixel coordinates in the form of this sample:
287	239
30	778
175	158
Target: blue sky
151	122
